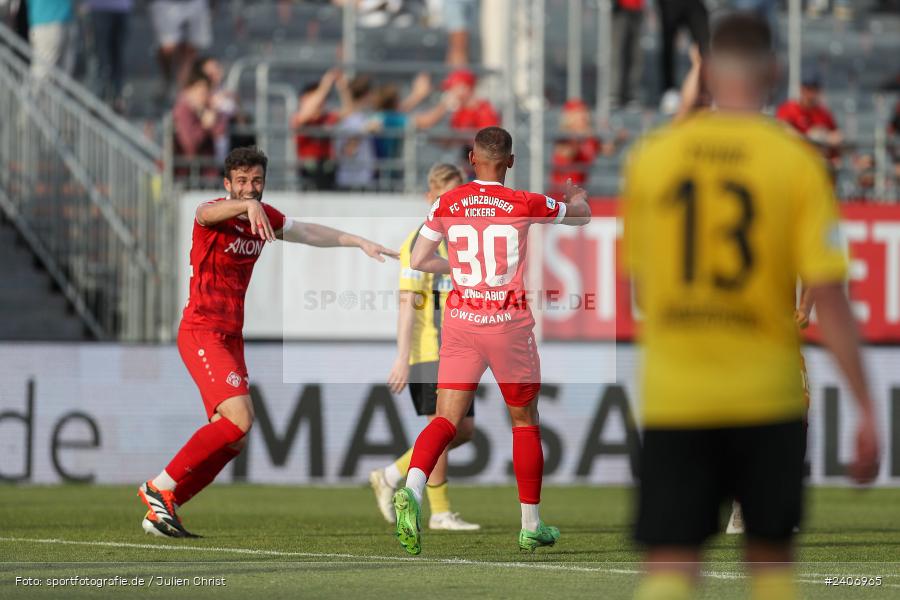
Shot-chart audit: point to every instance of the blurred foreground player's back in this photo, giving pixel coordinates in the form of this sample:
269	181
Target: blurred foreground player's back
723	212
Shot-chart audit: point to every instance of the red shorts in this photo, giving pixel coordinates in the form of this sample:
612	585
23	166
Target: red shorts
216	362
512	357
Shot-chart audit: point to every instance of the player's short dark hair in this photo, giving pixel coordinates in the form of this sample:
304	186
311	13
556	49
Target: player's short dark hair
245	157
495	142
744	34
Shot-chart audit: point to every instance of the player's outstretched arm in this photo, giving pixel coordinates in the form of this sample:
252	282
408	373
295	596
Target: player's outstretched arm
213	213
399	375
424	257
321	236
578	212
841	337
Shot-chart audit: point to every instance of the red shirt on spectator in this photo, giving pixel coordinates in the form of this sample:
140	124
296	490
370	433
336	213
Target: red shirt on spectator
476	116
573	166
803	118
316	147
633	5
191	138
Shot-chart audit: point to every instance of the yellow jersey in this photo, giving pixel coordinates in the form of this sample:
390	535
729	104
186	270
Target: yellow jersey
722	213
429	296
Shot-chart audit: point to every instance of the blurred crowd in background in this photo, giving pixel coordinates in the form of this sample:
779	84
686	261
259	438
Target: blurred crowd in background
348	130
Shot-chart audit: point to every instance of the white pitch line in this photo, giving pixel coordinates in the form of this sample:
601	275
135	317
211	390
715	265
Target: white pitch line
374	559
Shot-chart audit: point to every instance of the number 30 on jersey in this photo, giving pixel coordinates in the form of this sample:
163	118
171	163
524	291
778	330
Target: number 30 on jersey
479	254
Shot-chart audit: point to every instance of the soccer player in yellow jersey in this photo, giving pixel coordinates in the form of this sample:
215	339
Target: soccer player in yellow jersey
422	297
723	211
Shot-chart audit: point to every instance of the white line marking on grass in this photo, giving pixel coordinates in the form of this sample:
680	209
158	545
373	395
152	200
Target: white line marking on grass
366	559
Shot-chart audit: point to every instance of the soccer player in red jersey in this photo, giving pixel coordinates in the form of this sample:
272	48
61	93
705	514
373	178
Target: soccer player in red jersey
486	323
228	236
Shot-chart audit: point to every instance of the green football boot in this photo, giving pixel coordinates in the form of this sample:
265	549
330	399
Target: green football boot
408	526
544	536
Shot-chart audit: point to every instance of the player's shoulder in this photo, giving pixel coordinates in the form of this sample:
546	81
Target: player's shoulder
460	190
789	144
656	140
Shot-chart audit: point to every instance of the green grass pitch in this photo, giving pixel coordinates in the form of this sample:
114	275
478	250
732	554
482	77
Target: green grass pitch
306	542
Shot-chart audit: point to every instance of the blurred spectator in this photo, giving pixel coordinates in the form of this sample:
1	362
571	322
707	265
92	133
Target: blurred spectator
392	118
628	60
379	13
314	150
458	18
16	17
354	144
578	146
675	15
50	32
694	94
109	20
225	104
469	111
183	27
809	115
195	123
767	9
893	140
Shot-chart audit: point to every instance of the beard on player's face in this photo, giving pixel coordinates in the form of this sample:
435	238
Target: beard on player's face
247	194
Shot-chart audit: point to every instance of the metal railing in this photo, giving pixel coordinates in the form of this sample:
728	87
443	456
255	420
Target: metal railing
85	190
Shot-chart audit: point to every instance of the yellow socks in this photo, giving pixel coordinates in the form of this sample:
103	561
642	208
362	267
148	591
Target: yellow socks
438	498
664	585
773	584
402	463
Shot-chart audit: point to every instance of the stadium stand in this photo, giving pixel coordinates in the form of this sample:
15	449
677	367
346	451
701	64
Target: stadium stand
272	50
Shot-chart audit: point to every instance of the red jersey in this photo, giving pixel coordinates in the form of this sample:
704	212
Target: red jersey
222	259
486	227
317	147
477	116
803	118
574	161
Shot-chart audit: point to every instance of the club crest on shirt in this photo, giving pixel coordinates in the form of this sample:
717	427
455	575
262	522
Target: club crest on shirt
551	203
433	208
233	379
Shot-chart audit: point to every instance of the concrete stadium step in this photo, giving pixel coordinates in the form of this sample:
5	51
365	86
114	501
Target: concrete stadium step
33	308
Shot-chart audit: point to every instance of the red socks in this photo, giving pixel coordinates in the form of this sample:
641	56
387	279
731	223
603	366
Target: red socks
204	474
205	442
431	443
528	463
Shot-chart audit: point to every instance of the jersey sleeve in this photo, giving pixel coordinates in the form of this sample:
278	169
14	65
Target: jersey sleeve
433	229
410	279
819	248
276	218
544	209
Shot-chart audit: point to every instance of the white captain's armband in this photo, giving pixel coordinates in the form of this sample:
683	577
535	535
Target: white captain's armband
562	212
429	233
